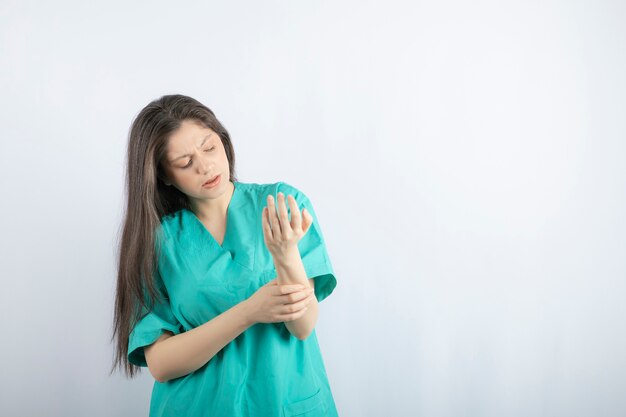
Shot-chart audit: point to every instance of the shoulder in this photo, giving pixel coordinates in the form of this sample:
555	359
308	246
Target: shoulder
169	219
264	189
172	223
287	189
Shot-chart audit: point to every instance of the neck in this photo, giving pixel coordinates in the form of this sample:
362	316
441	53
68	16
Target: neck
214	208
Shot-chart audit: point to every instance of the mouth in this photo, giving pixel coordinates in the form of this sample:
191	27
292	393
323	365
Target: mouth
211	180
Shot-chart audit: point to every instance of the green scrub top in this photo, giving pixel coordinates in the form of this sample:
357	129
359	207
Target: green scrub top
265	371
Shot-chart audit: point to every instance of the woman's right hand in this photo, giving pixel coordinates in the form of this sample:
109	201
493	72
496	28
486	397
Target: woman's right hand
273	303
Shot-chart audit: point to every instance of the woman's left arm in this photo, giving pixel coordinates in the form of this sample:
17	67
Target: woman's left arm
290	270
281	238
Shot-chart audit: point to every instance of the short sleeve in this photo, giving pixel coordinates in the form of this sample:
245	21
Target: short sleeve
151	326
312	246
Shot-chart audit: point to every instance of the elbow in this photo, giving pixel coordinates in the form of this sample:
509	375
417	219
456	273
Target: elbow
157	375
300	330
153	358
161	378
304	336
298	335
156	371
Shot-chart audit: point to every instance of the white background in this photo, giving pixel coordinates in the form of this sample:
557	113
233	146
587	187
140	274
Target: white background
465	160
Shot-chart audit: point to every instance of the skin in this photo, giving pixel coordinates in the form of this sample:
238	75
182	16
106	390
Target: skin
290	298
188	164
281	238
189	173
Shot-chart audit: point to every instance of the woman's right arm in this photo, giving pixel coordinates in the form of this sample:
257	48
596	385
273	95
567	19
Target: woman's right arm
172	356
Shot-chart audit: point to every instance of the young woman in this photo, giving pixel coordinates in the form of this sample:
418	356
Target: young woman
219	281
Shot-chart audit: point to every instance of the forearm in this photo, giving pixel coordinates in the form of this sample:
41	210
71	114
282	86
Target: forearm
186	352
290	270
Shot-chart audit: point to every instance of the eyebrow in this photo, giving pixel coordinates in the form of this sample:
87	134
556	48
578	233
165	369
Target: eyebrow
188	154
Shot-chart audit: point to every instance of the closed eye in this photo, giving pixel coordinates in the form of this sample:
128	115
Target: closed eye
190	160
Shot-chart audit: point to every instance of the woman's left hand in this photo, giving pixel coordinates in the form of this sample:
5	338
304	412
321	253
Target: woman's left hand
281	235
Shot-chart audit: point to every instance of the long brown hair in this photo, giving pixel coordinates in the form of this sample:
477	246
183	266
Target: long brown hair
148	199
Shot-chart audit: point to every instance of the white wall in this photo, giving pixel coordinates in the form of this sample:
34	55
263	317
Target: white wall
466	162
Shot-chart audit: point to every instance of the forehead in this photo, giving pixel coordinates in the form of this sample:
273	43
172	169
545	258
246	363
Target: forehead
189	134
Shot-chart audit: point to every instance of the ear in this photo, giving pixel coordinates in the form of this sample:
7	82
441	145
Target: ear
163	178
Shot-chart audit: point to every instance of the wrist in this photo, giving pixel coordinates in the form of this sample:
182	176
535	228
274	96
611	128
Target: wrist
245	313
287	258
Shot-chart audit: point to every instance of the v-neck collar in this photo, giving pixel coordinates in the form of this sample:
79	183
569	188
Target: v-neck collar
231	204
244	258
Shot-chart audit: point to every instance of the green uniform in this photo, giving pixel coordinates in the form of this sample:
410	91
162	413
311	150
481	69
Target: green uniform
263	372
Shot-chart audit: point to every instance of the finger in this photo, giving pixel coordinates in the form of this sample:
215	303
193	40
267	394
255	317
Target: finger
292	316
267	230
273	219
289	288
296	296
293	307
307	220
283	216
296	219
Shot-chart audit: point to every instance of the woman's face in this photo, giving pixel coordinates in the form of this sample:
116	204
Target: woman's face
194	155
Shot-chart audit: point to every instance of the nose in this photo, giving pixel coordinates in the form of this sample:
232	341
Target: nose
204	164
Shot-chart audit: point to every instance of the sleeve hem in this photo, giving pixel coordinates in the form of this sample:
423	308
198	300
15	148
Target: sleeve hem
324	279
140	340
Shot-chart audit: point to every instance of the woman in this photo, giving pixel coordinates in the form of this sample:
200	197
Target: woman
219	281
